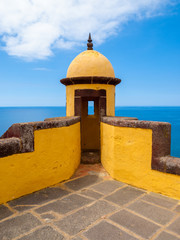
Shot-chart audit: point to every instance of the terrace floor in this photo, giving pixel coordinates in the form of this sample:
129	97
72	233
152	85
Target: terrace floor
91	205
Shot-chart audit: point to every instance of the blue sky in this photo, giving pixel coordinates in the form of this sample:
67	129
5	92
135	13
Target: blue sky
142	43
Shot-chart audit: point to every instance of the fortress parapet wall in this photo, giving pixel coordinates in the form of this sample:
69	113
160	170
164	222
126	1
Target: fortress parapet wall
37	155
138	153
161	142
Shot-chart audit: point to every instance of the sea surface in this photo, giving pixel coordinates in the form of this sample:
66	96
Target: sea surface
11	115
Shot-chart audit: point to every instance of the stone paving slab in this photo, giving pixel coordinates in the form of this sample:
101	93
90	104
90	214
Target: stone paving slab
90	206
22	208
39	197
107	187
76	238
166	236
65	205
134	223
105	230
83	182
46	232
16	226
175	226
4	212
160	200
81	219
47	216
177	209
91	193
157	214
124	195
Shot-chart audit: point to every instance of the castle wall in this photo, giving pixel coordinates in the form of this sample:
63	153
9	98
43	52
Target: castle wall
39	154
131	149
55	157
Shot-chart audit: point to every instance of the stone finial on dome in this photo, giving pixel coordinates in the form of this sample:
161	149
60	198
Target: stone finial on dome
89	44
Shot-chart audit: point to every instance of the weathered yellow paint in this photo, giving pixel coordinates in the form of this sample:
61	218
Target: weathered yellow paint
56	157
90	63
126	154
110	97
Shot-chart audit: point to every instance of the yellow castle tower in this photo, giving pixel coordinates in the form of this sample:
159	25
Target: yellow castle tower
90	79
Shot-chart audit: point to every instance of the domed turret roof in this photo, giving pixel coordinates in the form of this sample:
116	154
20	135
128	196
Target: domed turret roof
90	63
90	67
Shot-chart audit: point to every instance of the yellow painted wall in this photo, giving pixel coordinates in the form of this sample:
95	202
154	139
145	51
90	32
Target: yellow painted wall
110	97
56	157
126	154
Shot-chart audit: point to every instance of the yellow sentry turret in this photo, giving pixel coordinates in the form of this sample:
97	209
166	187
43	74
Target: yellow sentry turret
91	80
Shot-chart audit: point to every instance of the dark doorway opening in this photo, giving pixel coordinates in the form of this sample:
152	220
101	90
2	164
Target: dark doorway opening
90	121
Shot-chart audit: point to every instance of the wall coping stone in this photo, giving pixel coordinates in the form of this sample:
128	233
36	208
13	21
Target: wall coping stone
132	122
23	134
9	146
169	164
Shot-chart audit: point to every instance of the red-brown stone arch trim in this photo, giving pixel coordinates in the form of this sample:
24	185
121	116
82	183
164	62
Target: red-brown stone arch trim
89	94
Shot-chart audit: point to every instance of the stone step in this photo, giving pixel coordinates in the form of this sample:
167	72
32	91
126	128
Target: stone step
90	157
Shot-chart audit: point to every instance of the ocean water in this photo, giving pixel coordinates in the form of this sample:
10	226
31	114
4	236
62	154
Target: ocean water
11	115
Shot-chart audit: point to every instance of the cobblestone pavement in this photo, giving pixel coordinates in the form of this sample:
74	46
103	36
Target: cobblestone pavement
91	206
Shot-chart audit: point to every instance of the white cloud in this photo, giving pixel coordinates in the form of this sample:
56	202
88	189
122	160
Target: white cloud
31	29
41	69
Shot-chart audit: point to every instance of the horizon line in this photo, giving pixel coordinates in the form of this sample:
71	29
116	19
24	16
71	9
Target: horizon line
115	106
